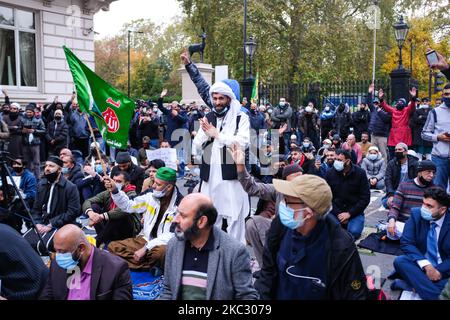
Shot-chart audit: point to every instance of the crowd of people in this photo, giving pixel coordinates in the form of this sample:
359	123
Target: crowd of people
312	172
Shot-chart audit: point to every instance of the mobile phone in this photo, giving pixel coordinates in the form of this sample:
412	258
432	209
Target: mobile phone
432	57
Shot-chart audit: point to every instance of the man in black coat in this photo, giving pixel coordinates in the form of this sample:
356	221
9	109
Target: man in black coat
351	192
82	272
361	120
307	254
124	163
57	203
22	272
71	170
399	169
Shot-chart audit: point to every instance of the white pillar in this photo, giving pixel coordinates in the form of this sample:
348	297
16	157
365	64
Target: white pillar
188	89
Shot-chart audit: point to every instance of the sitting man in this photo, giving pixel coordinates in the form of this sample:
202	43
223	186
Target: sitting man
351	193
203	262
153	166
399	169
426	243
110	222
307	255
28	184
71	170
82	272
352	146
328	164
57	204
410	194
306	161
375	167
136	173
159	208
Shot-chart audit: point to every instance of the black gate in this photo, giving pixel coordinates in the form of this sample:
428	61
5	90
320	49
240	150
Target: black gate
350	92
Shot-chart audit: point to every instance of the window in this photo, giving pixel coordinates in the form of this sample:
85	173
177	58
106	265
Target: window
17	48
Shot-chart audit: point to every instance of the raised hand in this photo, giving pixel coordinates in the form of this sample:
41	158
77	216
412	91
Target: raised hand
413	92
164	93
371	88
237	153
185	59
380	94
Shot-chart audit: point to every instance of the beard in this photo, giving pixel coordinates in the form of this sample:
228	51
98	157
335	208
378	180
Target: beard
189	234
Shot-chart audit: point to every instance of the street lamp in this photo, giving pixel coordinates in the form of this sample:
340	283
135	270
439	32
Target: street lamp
401	31
250	49
129	62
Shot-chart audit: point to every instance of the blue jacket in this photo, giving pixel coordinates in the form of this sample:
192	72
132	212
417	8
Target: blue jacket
173	123
28	184
414	240
256	120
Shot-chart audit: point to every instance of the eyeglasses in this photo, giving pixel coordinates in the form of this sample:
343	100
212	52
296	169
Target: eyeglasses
316	281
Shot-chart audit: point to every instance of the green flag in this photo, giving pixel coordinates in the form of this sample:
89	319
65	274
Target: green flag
255	89
111	109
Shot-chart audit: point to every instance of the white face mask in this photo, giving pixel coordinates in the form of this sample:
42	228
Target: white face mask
160	194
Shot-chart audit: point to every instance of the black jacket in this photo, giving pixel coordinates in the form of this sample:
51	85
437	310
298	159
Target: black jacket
361	121
393	169
65	205
136	176
75	175
22	271
416	123
110	279
58	131
345	280
351	193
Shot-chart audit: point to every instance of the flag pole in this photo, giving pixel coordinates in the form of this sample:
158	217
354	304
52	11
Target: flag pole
96	146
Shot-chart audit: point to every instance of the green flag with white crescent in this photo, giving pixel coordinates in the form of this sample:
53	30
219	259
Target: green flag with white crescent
111	109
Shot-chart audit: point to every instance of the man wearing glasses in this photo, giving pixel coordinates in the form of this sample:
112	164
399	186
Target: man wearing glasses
308	256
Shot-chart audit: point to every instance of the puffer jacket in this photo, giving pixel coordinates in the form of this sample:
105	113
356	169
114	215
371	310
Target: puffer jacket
374	169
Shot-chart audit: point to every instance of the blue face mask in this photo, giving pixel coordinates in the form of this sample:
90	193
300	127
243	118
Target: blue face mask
287	217
372	157
65	170
222	113
65	260
99	168
306	144
426	213
338	165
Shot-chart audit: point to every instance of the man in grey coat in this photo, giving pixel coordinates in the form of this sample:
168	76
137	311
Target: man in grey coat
202	261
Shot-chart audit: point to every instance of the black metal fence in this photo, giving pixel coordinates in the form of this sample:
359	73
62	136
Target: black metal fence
351	92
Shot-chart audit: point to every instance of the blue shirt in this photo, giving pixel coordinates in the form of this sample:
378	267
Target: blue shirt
304	256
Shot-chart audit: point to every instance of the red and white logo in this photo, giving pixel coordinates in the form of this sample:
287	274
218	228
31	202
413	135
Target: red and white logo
111	120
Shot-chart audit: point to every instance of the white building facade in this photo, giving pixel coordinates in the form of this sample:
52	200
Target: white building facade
33	67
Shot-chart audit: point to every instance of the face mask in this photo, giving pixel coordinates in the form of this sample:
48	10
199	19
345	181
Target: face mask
341	109
326	146
400	107
306	144
446	101
65	170
425	182
426	214
58	118
65	260
287	217
372	157
327	109
399	155
119	186
338	165
99	168
18	169
222	113
423	106
160	194
51	177
282	104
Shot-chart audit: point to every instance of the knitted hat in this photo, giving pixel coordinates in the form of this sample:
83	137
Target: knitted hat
373	148
123	157
30	106
425	165
166	174
55	160
291	169
402	145
312	190
145	139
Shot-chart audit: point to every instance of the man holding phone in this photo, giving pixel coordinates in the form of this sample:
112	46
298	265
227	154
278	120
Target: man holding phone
436	60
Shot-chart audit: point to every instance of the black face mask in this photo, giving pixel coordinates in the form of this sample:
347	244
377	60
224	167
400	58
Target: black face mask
400	107
399	155
341	109
51	177
425	182
13	115
58	118
18	169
